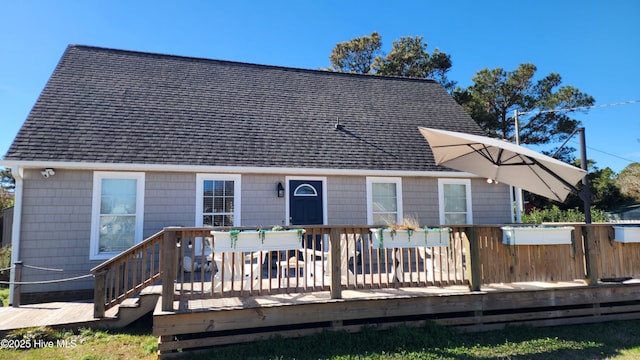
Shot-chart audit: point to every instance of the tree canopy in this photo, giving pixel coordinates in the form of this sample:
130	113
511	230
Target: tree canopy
6	180
545	106
357	55
495	94
408	58
629	181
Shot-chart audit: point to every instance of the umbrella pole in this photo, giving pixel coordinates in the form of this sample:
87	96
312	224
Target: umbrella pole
518	191
585	193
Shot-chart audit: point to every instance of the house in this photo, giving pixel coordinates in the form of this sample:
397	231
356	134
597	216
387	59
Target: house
626	213
121	144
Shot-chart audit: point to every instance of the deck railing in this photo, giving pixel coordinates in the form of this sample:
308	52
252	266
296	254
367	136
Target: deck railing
329	258
127	274
336	258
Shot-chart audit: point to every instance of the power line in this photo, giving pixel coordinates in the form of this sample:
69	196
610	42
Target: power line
585	108
607	153
578	107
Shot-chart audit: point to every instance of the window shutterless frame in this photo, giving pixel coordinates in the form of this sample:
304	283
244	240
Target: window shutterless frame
117	212
454	201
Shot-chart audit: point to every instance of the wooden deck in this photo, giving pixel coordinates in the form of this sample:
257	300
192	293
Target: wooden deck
210	322
207	322
475	283
54	314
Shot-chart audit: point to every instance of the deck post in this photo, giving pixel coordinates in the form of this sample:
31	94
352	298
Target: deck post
99	294
473	259
17	288
334	263
169	268
590	258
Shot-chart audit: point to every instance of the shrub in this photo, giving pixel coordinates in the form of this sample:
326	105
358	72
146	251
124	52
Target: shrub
4	297
555	214
5	262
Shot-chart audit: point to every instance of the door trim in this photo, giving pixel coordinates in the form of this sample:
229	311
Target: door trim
322	179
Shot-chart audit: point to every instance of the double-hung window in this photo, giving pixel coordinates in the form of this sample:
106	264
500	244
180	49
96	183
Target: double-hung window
384	200
117	213
218	200
455	201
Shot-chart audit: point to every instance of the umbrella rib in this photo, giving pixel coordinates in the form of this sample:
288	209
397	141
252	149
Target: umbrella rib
485	154
556	176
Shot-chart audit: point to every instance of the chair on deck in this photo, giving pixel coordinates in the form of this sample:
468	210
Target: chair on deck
237	266
316	263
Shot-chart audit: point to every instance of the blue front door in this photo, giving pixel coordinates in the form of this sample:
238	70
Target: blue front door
305	202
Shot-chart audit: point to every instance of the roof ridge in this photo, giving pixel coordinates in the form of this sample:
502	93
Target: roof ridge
241	63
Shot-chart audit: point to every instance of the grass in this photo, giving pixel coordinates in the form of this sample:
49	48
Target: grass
133	342
614	340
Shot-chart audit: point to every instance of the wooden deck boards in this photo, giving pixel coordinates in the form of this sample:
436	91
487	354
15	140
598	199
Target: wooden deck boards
67	315
220	321
54	314
74	314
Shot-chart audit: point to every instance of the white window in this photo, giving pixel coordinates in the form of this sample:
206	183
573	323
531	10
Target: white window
454	196
117	213
384	200
218	200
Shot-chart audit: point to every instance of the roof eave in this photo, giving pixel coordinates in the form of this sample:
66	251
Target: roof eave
226	169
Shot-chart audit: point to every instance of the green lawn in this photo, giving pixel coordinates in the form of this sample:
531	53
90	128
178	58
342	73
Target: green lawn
616	340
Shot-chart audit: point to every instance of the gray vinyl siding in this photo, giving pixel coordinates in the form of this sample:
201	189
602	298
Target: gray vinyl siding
56	219
346	200
56	228
491	202
169	200
420	199
260	204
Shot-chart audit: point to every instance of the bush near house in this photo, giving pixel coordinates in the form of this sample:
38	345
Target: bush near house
5	263
555	214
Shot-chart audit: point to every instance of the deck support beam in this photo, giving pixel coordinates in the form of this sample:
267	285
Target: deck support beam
170	265
99	294
334	262
473	259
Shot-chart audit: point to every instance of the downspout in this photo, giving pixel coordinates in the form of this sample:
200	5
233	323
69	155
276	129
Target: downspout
17	173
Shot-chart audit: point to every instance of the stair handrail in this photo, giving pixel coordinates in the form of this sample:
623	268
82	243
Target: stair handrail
107	296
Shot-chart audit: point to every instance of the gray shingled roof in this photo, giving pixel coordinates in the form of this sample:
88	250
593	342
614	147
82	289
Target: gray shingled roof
112	106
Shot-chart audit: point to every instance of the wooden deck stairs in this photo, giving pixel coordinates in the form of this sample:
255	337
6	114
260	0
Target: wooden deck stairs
72	315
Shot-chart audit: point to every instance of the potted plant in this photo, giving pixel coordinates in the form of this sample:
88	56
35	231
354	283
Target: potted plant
409	234
275	238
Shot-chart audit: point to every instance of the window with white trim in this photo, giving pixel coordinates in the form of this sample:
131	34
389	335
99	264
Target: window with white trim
454	197
117	213
384	200
218	200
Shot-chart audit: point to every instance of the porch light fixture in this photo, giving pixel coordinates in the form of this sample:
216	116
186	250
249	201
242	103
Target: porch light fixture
280	190
47	172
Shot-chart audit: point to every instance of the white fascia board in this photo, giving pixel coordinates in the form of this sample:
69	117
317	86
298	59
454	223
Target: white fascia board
228	169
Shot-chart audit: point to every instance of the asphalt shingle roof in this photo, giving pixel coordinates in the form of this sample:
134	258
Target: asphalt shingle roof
113	106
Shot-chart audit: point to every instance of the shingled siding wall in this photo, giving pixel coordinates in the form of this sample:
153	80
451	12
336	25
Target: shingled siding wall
56	226
490	202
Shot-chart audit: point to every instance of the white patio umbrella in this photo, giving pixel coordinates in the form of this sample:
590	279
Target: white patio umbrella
504	162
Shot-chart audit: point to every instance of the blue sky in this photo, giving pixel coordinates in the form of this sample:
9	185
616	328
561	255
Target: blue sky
593	45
